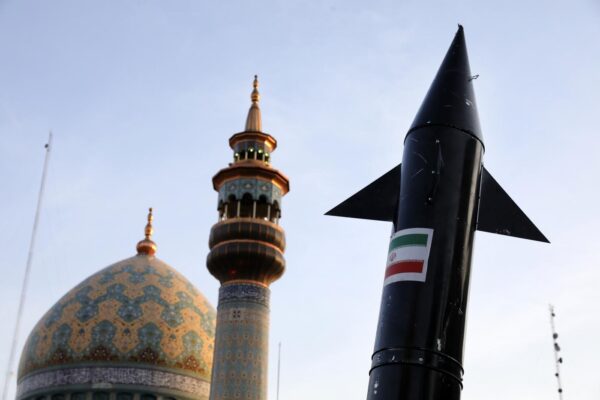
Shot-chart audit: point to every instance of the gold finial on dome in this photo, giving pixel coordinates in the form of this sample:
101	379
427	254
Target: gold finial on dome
254	120
147	246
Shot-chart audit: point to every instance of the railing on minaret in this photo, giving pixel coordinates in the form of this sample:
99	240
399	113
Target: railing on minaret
246	256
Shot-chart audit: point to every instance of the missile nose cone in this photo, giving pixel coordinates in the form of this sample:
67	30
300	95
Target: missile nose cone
450	100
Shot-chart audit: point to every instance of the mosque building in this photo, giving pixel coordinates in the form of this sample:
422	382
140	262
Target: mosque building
139	330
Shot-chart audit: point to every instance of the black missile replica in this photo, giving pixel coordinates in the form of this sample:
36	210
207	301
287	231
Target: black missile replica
436	199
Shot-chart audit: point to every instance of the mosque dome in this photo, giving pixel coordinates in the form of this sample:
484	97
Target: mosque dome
137	326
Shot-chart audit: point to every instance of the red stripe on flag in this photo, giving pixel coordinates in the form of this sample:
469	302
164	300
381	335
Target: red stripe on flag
404	266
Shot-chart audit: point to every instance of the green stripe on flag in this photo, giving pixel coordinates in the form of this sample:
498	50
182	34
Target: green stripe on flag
412	239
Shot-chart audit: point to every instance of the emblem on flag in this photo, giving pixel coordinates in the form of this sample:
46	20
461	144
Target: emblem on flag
408	255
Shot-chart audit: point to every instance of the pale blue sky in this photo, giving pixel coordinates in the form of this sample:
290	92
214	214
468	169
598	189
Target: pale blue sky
143	95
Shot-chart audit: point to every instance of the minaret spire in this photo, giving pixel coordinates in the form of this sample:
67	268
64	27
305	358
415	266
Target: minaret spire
146	245
254	120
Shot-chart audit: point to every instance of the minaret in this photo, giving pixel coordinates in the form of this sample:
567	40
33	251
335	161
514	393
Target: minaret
246	256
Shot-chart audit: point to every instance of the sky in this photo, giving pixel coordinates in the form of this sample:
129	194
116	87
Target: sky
142	96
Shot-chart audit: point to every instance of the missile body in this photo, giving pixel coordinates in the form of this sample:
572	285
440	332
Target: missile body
422	315
436	199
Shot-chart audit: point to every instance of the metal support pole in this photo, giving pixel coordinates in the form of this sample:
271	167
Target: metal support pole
25	284
278	369
557	358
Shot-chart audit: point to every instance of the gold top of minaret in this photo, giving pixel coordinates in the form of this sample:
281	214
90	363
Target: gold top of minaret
254	120
147	246
255	96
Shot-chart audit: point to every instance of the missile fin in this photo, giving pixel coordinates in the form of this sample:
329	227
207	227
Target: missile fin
377	201
498	213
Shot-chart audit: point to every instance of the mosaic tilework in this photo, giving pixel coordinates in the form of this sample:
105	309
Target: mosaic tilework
241	348
139	310
244	292
91	376
255	187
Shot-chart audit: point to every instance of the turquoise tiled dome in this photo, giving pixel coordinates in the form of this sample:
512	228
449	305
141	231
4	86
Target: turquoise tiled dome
138	313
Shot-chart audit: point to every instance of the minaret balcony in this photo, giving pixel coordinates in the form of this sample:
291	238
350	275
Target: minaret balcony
251	170
247	229
246	249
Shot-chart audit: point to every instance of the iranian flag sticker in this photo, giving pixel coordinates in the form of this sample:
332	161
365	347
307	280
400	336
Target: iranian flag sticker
408	255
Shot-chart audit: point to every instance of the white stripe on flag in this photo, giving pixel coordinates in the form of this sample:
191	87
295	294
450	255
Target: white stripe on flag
407	253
